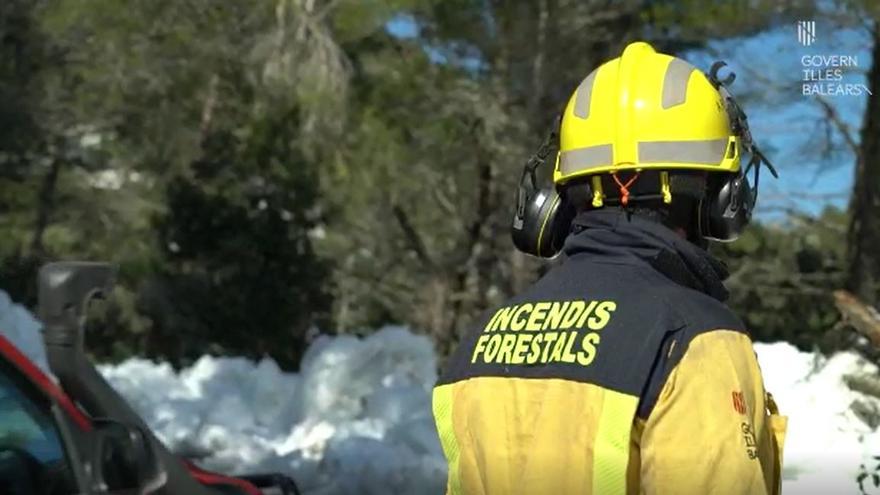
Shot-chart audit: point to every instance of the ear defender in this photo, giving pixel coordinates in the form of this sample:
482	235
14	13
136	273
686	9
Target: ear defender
540	228
727	208
543	216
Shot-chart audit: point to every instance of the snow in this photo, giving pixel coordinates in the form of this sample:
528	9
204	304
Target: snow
826	440
357	417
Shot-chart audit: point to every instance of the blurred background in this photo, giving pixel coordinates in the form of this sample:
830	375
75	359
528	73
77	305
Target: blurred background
265	171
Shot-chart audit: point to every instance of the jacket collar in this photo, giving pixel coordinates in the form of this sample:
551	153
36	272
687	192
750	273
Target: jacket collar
616	236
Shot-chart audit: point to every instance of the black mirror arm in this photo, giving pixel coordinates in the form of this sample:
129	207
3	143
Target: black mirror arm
65	290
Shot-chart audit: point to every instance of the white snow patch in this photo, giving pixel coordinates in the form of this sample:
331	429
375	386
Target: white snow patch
826	441
107	179
356	419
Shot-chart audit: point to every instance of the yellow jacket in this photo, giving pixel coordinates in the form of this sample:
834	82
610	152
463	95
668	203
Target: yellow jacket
637	391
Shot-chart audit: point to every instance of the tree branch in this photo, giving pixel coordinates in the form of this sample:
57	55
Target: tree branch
538	59
841	126
415	241
208	107
864	318
45	206
864	384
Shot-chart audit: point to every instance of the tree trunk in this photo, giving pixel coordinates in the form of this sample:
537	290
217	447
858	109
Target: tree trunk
45	205
864	228
465	295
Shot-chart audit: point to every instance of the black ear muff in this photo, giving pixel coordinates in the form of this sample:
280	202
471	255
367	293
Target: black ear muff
543	216
727	207
541	223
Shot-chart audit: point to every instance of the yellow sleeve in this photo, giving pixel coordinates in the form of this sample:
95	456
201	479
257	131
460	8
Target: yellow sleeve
710	430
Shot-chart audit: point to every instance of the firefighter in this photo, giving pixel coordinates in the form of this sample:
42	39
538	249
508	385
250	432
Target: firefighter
622	370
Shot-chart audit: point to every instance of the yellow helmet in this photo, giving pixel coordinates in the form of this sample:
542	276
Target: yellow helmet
645	110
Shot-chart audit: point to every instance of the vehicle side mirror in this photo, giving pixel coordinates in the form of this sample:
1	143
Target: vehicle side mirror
124	460
65	289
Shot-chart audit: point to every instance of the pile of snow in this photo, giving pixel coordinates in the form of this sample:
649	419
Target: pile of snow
827	440
357	418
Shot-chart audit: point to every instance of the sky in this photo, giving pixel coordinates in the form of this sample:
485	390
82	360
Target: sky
790	126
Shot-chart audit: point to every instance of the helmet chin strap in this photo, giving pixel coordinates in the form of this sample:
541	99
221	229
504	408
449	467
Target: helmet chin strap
756	161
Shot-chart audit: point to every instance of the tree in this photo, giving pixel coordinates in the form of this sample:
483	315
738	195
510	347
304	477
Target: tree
864	229
210	123
205	117
239	273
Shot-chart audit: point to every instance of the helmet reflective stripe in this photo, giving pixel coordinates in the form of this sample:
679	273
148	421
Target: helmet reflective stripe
578	160
675	82
709	152
584	94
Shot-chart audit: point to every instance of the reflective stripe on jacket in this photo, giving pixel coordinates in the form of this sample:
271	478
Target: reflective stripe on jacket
618	372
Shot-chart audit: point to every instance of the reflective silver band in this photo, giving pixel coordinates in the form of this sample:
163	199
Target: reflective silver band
584	94
580	159
675	82
707	152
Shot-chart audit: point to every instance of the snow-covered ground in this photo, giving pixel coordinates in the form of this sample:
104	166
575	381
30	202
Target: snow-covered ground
357	418
826	440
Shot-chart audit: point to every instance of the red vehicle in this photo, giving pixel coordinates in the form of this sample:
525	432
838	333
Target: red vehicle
79	436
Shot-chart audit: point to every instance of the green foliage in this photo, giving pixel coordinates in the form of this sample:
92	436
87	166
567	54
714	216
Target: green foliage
782	278
238	268
182	161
